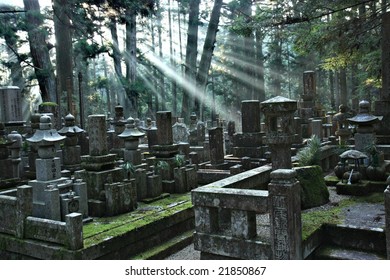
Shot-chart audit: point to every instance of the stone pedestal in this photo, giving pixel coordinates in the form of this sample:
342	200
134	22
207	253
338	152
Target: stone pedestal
285	212
279	123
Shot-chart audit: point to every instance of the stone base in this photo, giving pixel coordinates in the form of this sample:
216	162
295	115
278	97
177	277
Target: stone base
164	151
152	199
248	139
96	208
252	152
358	189
218	166
98	163
168	186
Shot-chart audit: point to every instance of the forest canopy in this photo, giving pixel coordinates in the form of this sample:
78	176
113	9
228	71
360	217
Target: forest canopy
190	55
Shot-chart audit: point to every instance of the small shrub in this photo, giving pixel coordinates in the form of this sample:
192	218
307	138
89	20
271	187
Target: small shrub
311	154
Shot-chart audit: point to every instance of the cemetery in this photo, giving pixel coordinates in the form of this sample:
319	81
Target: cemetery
286	181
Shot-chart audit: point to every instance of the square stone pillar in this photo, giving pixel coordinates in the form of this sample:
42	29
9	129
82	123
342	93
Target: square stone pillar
250	110
387	222
216	145
285	215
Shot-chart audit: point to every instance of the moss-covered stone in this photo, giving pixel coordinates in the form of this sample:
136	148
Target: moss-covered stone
313	188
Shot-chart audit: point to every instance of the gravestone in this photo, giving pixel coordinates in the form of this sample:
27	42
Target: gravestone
248	143
104	179
11	105
216	146
180	132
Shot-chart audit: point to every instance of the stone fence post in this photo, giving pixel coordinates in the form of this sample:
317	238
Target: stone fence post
24	207
285	215
74	231
387	223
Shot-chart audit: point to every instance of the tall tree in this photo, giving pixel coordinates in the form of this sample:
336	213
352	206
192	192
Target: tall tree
39	50
191	55
64	54
207	54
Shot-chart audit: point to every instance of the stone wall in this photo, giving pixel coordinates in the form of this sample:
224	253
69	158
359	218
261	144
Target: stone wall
16	220
226	220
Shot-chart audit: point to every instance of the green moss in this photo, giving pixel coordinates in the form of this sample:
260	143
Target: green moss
311	221
53	104
149	254
107	227
313	188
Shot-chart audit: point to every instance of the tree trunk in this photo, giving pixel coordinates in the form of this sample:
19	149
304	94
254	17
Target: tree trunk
172	60
191	54
39	51
117	57
207	54
156	95
343	87
332	93
64	56
260	66
131	63
160	51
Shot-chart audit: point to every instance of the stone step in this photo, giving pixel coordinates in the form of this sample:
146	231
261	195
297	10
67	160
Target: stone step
339	253
167	248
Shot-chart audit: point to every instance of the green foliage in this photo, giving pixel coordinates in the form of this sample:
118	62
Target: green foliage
180	160
311	154
161	165
89	49
50	104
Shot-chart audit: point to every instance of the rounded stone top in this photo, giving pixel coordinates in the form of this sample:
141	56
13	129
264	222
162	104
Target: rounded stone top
364	106
131	131
69	118
130	121
14	136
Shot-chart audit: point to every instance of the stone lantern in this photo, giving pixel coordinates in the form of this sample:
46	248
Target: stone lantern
364	121
45	140
131	136
15	148
279	128
71	152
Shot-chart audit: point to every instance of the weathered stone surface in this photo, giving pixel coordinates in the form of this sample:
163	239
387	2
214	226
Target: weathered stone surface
250	110
97	133
164	128
216	145
285	215
313	188
232	247
387	217
247	200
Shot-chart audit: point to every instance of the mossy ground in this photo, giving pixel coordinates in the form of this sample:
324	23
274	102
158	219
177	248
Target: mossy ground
311	221
105	228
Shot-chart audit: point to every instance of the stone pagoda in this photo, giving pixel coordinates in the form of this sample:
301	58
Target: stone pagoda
364	122
131	136
71	152
54	196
